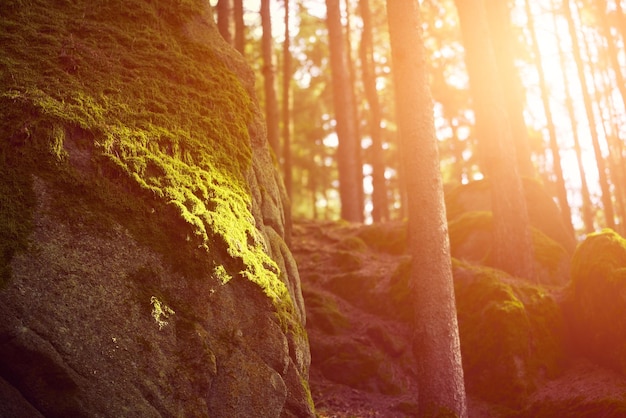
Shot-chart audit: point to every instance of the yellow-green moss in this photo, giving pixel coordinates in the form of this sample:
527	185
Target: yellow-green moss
157	111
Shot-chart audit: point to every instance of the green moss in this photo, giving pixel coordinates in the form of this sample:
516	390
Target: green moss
470	239
163	120
509	334
595	300
323	313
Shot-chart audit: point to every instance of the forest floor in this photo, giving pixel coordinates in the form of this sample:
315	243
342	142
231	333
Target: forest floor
360	345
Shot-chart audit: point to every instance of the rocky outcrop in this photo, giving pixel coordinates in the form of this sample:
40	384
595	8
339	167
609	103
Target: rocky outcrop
596	299
468	209
143	266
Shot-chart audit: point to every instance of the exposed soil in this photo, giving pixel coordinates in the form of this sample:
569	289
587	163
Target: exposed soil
362	364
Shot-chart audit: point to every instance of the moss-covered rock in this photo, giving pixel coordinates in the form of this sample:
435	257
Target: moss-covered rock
511	334
141	220
471	241
543	212
596	302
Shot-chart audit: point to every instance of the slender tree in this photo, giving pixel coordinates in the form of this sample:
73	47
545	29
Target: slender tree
287	164
591	119
586	206
350	171
436	339
271	104
380	210
501	33
223	19
240	28
512	240
561	190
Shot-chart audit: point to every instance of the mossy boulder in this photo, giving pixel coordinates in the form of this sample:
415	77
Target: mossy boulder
596	300
511	334
471	241
143	264
543	212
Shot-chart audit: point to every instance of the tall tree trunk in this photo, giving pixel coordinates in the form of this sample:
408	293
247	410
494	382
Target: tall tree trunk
512	240
498	14
580	67
352	91
561	191
271	104
436	338
350	171
223	19
380	210
586	208
240	28
287	164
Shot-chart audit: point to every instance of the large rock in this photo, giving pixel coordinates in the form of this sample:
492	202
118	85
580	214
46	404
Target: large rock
544	214
143	264
596	301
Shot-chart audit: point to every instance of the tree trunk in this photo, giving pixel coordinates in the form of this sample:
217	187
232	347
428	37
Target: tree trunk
350	171
586	208
271	104
287	164
240	28
380	210
604	184
561	191
436	338
223	19
512	242
499	20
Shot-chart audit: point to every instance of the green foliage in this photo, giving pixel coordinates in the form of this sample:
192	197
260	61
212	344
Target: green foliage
158	113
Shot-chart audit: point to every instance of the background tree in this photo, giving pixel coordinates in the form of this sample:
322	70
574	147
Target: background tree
271	103
350	171
240	28
512	248
223	19
380	211
286	117
436	338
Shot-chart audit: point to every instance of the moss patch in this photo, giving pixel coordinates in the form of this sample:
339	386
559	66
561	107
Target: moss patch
596	305
510	334
135	98
471	240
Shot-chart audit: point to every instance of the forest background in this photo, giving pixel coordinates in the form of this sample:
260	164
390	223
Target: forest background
325	81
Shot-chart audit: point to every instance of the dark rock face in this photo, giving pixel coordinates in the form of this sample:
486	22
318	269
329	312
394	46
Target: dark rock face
144	270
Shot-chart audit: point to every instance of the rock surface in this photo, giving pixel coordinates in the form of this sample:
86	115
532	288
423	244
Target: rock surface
143	266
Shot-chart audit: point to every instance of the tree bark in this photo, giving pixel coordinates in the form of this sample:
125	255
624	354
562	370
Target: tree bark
512	241
271	103
436	338
350	171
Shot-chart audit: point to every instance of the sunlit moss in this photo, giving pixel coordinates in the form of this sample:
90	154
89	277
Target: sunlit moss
160	114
